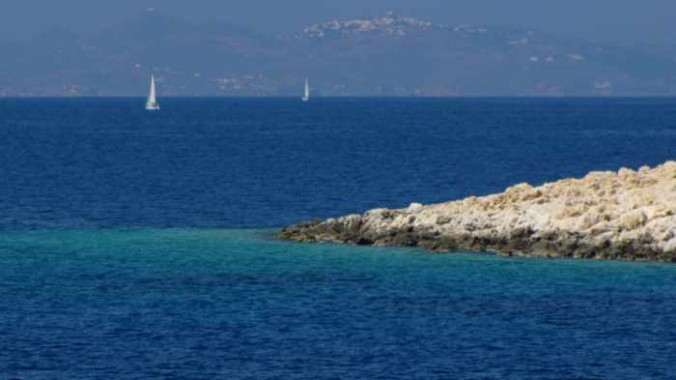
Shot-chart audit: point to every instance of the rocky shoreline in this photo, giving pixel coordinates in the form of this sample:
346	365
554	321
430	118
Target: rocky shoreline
625	215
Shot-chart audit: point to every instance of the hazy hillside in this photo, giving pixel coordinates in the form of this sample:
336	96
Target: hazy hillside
388	56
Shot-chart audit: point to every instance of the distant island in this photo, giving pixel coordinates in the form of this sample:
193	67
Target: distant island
625	215
390	55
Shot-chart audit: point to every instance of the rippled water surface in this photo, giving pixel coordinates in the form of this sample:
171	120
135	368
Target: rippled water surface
269	162
233	304
136	245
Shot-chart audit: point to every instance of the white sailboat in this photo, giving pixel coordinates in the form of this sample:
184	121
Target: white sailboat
306	94
151	103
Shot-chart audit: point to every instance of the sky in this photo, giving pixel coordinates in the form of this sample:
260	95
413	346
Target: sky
615	21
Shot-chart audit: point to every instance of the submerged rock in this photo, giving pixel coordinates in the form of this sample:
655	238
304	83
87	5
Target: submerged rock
628	215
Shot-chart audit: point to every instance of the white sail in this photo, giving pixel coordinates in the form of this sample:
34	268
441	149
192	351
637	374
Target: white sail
306	94
151	103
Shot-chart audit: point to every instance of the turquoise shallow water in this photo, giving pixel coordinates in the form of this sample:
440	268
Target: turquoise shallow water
122	253
182	303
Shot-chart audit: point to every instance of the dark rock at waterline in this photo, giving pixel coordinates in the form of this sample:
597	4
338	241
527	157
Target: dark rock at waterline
628	215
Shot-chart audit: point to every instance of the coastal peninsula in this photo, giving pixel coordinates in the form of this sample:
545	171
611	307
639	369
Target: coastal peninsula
624	215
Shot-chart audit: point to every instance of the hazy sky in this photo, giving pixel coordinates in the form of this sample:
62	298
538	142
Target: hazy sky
617	21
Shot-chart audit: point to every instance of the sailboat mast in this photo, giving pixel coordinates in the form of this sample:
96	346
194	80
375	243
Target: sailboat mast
151	103
152	89
306	92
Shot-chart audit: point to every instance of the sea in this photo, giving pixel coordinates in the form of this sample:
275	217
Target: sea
139	245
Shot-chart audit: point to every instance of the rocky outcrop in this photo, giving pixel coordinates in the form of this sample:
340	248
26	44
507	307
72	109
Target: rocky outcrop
628	215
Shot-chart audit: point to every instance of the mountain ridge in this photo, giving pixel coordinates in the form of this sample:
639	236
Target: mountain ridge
391	55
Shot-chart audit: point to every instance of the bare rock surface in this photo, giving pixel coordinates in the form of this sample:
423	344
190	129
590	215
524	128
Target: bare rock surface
628	215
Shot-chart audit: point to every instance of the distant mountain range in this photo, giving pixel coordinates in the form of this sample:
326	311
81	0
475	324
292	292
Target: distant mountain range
387	56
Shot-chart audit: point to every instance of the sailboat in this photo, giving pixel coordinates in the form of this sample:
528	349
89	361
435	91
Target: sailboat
151	103
306	94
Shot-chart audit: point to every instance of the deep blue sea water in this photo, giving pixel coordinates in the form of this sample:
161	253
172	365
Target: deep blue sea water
137	245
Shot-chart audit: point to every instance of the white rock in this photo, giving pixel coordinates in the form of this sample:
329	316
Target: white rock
414	208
